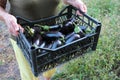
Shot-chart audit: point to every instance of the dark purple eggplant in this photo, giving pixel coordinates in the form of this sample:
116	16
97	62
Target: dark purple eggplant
83	28
50	36
37	42
46	46
82	34
68	26
79	31
37	30
42	45
56	44
55	27
72	38
36	39
69	35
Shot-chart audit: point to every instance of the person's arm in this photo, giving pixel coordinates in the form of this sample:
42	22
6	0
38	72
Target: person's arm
76	3
9	19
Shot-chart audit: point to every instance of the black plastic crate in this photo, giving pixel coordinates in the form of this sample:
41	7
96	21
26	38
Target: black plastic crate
54	57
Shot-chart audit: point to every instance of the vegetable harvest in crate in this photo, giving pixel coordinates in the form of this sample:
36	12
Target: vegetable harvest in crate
52	41
53	36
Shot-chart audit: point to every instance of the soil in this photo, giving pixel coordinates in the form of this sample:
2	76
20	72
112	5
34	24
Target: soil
8	65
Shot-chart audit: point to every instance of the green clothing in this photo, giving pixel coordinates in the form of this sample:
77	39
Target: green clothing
34	9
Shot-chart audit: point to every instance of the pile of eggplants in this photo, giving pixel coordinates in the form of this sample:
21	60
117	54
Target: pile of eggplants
51	37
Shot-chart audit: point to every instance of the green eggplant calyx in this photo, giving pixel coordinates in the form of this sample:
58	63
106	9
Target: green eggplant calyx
76	29
30	30
45	27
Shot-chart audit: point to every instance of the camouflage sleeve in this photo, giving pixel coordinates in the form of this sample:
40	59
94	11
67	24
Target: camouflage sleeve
3	3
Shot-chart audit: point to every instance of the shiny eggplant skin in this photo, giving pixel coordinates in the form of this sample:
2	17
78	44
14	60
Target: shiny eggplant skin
68	26
69	35
51	36
42	45
55	27
36	30
83	28
37	39
56	44
72	38
46	46
82	34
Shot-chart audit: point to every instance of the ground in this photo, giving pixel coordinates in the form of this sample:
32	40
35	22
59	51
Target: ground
8	65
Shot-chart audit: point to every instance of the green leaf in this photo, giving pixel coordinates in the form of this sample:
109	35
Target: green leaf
76	29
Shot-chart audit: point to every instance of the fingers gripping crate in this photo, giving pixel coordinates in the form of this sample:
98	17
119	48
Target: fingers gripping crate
51	58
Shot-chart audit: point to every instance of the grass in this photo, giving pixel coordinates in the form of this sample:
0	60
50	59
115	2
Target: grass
104	63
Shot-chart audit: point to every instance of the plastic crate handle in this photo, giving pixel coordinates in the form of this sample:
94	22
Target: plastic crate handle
23	19
62	11
83	14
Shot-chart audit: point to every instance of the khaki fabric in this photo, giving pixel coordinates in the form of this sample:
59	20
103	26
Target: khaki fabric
25	70
34	9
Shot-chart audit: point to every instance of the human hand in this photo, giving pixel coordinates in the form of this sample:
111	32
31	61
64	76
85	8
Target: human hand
12	25
78	4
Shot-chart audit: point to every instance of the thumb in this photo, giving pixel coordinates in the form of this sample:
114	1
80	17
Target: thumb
21	28
78	13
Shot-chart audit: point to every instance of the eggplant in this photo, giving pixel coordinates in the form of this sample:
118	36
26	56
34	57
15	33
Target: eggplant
69	35
79	31
36	39
83	28
56	44
46	46
68	26
49	46
55	27
69	20
50	36
37	30
72	38
48	28
82	34
42	45
37	42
